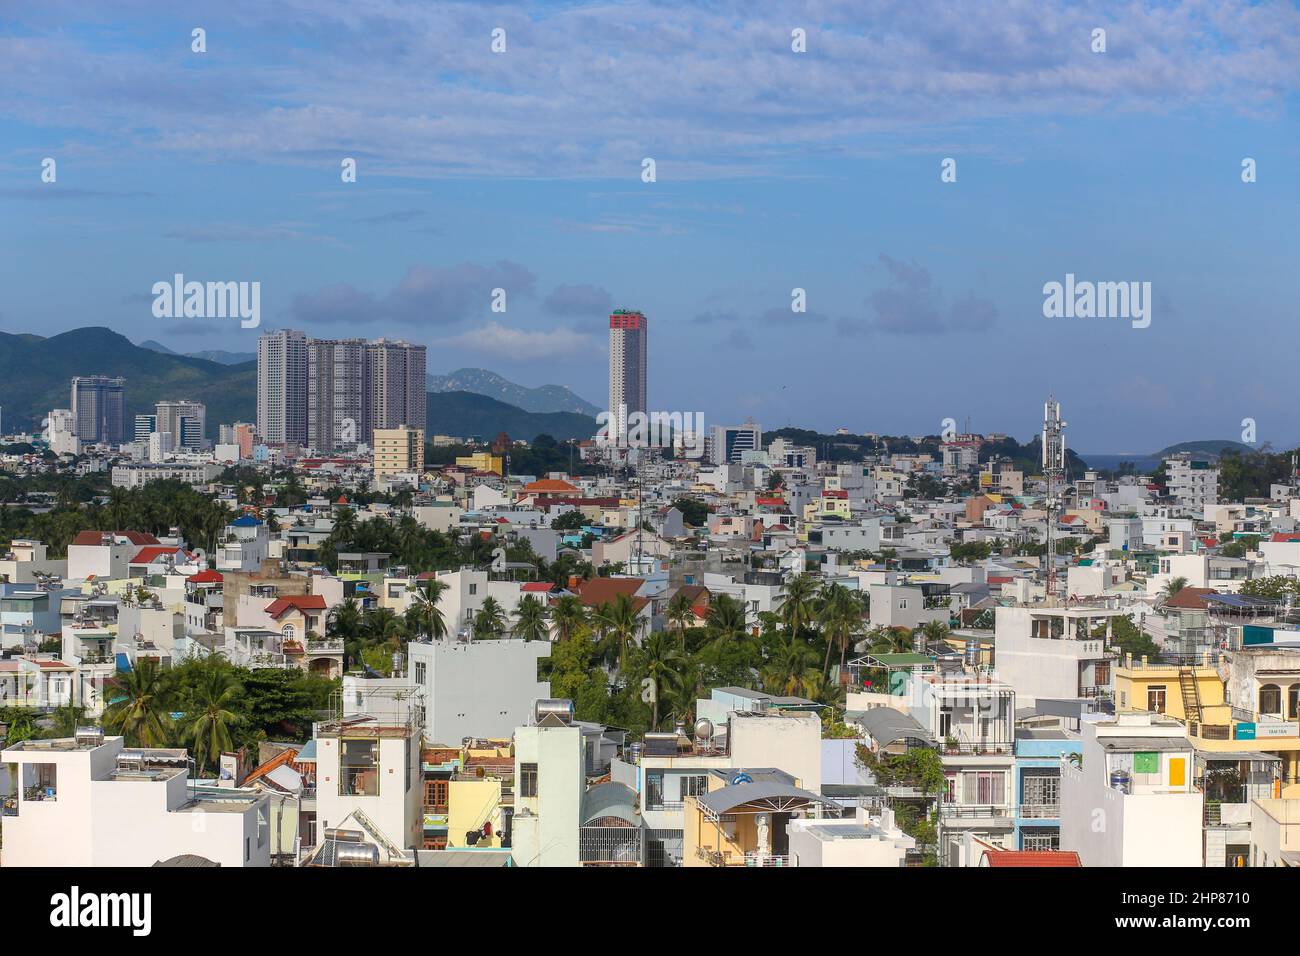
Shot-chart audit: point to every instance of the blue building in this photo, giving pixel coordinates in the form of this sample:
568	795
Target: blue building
1037	775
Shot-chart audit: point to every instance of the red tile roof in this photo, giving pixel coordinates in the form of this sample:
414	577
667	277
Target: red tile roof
551	486
95	538
206	577
597	591
1032	858
150	555
535	586
300	602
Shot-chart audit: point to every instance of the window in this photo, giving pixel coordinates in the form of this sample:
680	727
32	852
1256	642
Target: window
654	790
528	780
694	785
1101	673
1041	838
945	723
40	782
435	795
419	672
1156	699
1270	699
1040	788
984	788
1293	701
359	768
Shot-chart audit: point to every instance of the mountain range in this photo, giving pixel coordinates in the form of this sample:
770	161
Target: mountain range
36	375
544	398
220	356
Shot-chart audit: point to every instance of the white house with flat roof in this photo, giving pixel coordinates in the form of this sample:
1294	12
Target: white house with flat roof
92	801
1133	801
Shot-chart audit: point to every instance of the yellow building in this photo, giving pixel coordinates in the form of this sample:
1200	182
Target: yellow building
743	823
1191	694
482	461
1195	695
472	803
398	450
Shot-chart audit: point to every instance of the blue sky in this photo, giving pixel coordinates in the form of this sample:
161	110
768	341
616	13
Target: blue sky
775	170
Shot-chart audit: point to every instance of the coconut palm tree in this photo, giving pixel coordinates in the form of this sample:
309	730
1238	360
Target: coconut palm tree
568	614
138	709
531	620
1173	587
932	632
798	605
839	617
490	621
680	614
792	669
383	625
726	620
620	626
664	665
210	718
433	624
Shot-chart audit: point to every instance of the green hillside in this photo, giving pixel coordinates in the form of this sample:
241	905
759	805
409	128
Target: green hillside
36	376
465	414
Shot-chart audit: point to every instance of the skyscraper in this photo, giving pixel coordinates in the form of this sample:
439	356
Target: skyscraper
97	409
348	388
335	380
282	387
627	355
186	421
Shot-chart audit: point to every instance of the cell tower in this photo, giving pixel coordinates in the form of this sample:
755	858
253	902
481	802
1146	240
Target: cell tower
1054	468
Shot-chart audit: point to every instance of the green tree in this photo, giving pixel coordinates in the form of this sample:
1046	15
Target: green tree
490	621
531	620
209	716
663	664
138	707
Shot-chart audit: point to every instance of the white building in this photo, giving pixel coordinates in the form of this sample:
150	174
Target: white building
368	766
94	802
550	779
475	688
1133	801
1050	652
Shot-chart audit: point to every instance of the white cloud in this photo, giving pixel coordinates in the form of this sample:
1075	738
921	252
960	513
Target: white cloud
519	345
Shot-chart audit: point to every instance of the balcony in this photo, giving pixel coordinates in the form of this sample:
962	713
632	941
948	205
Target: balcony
1039	811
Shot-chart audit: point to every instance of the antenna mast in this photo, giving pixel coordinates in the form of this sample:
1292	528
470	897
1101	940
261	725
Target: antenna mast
1053	468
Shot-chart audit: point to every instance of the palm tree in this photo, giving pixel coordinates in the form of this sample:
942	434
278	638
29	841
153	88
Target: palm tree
210	719
664	665
531	620
490	621
430	615
932	632
382	625
139	713
1173	587
792	669
568	614
797	605
680	613
620	623
840	618
726	620
67	719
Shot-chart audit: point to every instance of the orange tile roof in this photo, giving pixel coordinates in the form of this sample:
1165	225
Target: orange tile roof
1005	858
300	602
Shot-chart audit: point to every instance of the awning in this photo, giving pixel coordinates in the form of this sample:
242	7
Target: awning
762	796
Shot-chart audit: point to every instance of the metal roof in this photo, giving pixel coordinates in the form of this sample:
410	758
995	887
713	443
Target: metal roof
1145	744
773	796
886	725
610	800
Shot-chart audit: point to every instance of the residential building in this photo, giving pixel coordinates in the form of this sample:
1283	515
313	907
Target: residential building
627	369
398	451
98	410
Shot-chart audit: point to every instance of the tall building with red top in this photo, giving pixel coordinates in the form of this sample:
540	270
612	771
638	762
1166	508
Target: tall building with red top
627	354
